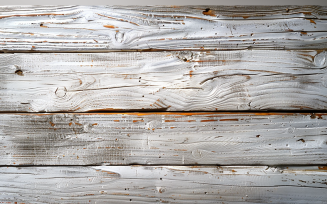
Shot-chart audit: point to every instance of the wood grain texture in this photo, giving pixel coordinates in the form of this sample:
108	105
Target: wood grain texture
107	28
163	184
163	138
165	81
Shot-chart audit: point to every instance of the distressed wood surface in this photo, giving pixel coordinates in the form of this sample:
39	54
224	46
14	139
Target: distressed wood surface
164	81
107	28
163	138
163	184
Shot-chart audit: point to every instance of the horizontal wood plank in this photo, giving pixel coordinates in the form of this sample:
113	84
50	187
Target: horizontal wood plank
163	139
107	28
170	81
163	184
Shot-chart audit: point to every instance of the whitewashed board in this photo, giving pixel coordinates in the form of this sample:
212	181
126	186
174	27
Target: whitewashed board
108	28
163	184
163	139
164	81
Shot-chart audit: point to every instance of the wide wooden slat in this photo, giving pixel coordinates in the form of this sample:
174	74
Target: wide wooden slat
107	28
170	81
163	184
163	138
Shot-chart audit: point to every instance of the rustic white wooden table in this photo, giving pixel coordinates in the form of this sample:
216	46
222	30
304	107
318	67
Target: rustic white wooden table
166	104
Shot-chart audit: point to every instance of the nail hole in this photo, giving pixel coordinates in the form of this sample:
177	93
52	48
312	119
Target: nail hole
19	72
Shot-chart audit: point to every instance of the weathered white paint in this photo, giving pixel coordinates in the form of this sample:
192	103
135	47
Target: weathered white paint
105	28
163	138
171	81
163	184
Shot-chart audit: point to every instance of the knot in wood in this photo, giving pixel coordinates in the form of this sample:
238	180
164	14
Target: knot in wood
320	59
61	92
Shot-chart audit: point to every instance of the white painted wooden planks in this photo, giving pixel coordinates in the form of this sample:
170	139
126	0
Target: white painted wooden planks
163	138
170	81
107	28
163	184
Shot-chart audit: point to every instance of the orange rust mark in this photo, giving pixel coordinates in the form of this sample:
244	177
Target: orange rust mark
307	13
304	33
109	172
78	124
180	150
190	121
245	17
109	26
174	6
290	30
233	170
228	119
52	124
208	120
322	167
135	121
209	12
70	124
170	121
95	124
312	21
191	73
172	127
116	120
319	116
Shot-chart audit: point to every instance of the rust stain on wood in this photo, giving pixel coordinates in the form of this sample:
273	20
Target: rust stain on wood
209	12
229	119
109	26
208	120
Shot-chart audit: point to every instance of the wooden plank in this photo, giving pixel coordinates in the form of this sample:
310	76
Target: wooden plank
170	81
163	138
107	28
163	184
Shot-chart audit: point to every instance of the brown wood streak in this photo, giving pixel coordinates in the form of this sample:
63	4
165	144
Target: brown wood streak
163	138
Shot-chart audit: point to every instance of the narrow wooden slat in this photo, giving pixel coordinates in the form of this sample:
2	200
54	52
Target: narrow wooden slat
105	28
163	184
163	138
171	81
